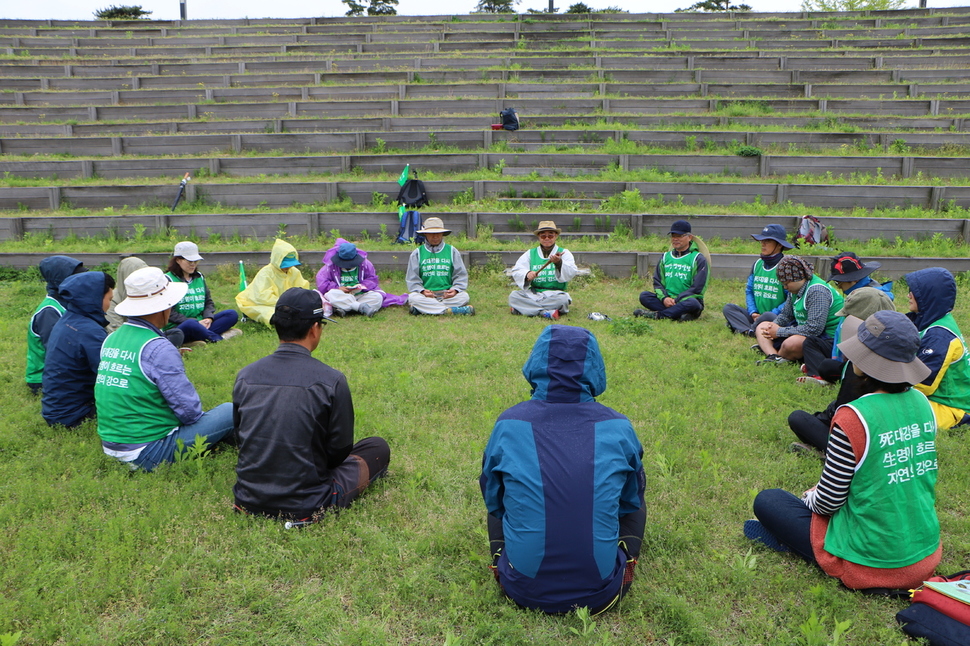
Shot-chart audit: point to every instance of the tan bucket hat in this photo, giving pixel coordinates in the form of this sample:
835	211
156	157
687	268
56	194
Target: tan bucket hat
547	225
434	225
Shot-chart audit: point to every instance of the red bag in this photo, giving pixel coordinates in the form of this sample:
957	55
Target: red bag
948	606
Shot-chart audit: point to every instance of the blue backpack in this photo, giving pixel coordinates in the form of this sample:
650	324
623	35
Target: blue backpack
410	223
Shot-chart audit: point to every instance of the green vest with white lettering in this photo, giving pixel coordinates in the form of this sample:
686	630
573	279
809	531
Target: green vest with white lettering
546	279
131	409
954	389
831	321
193	302
36	352
435	268
767	289
349	277
889	518
679	272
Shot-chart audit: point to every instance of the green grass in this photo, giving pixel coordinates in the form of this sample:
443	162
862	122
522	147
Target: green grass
93	554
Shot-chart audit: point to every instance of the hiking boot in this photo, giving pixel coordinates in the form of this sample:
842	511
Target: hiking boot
339	312
194	344
414	311
514	312
368	310
646	314
754	530
554	314
467	310
774	359
230	333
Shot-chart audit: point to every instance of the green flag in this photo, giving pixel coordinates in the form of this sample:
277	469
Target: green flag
242	276
402	180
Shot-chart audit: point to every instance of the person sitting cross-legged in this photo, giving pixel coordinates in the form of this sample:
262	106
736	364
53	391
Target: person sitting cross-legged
542	274
295	422
145	401
349	282
53	269
436	277
764	296
563	483
680	279
871	520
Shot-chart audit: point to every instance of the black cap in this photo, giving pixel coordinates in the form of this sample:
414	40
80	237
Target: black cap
680	227
298	304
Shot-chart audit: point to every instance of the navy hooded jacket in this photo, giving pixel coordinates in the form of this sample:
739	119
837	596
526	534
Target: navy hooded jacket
935	291
74	350
559	471
54	269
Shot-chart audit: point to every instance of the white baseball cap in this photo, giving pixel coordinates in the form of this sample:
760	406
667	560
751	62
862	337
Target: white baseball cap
188	250
150	291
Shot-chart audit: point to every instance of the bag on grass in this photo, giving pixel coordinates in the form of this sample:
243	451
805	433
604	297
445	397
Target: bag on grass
509	119
940	611
412	193
410	223
811	231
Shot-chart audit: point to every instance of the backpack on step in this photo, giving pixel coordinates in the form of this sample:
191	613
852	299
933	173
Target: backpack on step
811	231
412	194
509	119
410	224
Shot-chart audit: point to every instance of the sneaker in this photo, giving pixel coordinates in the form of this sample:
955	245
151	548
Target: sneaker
757	348
467	310
368	310
646	314
810	379
230	333
194	344
804	368
514	312
773	359
340	313
754	530
414	311
554	314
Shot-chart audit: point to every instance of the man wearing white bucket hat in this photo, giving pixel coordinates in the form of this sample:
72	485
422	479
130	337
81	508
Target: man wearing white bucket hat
145	401
436	278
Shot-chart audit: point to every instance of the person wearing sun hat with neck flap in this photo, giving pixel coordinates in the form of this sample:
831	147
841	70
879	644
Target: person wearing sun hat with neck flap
349	281
542	275
145	401
258	300
436	278
871	520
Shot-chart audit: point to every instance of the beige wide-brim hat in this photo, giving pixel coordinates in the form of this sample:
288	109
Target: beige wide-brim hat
434	225
150	291
547	225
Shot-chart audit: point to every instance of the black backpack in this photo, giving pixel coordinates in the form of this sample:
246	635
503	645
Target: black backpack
412	193
510	120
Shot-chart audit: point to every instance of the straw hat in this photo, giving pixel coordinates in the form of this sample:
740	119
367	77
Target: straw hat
150	291
547	225
434	225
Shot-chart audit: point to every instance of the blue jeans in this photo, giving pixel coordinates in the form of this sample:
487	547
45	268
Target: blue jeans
212	426
788	519
221	321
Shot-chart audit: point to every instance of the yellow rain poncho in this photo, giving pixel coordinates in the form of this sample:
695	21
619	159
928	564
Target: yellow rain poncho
258	301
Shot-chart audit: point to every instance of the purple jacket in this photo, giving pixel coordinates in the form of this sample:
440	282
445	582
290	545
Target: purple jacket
329	276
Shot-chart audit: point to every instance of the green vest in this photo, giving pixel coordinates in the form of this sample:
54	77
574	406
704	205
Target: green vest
889	519
954	389
36	352
767	289
349	277
679	272
193	302
435	268
131	409
832	321
546	279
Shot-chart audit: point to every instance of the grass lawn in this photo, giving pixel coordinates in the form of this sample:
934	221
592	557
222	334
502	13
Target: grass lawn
91	553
